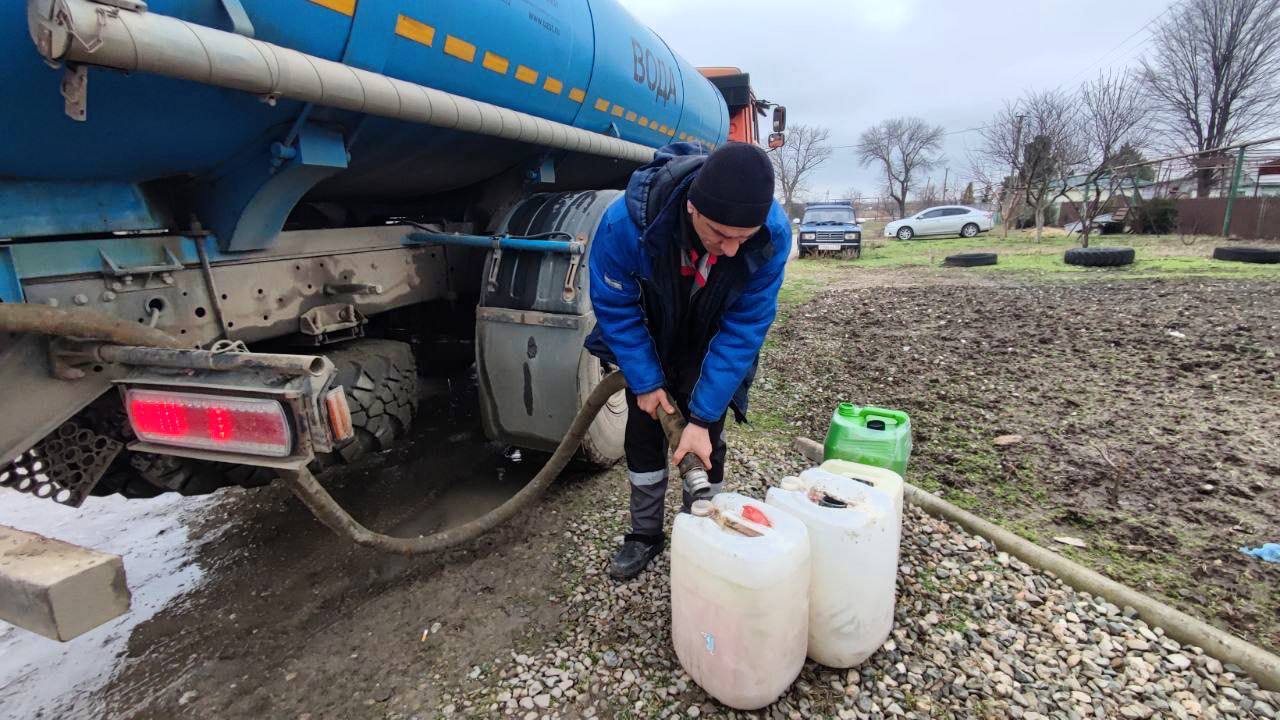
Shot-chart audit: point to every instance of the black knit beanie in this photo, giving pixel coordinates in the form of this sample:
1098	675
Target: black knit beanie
734	186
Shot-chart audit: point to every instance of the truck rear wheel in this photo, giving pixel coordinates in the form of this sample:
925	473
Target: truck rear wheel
381	381
602	445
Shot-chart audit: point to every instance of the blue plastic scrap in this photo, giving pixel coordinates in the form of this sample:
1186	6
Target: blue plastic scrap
1269	552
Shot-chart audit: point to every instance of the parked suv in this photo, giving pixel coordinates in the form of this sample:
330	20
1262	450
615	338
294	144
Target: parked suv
830	226
946	220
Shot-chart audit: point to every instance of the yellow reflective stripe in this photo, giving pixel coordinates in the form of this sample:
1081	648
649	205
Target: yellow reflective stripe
653	124
644	121
577	95
496	63
526	75
671	132
662	129
617	110
459	48
602	105
684	136
631	116
407	27
346	7
553	86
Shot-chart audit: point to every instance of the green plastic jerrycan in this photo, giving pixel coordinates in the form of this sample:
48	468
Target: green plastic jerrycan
871	436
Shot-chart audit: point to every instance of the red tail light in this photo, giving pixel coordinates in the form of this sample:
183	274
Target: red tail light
209	422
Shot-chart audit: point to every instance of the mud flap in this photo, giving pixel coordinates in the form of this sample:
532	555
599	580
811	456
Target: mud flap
527	363
534	314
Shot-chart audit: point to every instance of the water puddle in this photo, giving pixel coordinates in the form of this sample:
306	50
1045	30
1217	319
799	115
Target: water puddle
443	474
42	678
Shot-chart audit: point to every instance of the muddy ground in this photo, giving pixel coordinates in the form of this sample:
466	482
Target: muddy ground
289	622
293	621
1149	410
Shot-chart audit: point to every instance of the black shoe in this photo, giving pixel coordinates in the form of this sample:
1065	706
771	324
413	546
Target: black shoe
636	553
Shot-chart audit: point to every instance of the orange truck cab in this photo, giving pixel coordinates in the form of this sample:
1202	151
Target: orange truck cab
745	110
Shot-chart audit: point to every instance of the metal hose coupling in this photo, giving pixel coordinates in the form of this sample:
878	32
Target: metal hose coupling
696	481
694	475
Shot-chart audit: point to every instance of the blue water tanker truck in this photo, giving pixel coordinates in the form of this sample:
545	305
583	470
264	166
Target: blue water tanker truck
232	232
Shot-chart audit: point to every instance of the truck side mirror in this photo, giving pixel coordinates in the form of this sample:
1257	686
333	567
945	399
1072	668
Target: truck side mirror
777	140
779	119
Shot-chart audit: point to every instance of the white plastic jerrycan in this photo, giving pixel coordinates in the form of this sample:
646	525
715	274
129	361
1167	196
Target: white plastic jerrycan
882	479
853	540
739	598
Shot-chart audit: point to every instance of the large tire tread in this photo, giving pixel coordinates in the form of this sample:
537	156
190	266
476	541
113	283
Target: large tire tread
1247	254
970	260
1099	256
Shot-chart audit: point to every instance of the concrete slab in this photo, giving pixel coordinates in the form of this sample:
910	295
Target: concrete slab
57	589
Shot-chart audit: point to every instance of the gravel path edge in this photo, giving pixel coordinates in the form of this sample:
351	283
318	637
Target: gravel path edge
1262	666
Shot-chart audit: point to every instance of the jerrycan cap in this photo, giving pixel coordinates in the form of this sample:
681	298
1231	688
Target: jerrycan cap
847	409
701	508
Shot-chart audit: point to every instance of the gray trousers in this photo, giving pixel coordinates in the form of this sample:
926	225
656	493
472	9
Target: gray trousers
647	463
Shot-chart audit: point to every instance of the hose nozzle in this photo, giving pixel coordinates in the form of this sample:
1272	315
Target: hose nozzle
696	481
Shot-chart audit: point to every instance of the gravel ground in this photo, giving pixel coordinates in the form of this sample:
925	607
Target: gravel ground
291	622
978	634
1147	411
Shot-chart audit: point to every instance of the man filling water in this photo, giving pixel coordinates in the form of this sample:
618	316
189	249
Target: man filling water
685	271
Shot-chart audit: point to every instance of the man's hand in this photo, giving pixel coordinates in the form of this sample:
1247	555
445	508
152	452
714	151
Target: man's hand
650	401
696	440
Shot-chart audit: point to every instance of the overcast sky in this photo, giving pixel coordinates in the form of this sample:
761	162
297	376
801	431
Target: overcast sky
847	64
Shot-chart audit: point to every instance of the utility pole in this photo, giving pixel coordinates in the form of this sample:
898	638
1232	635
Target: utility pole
1231	193
945	176
1013	172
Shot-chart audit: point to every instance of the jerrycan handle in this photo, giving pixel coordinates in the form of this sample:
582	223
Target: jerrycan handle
704	508
878	418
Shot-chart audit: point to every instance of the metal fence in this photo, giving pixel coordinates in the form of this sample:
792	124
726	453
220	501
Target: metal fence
1233	190
1251	217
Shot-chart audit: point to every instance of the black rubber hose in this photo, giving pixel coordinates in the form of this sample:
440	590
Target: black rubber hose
81	323
328	511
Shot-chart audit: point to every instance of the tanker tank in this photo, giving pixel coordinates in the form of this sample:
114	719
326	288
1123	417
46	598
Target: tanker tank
171	146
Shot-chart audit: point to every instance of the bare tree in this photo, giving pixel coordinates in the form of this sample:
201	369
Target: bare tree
1214	77
1112	125
806	149
928	196
1022	150
904	147
997	158
1051	145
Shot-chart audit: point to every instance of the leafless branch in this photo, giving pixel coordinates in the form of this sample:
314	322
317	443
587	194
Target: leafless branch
1112	120
1214	77
904	148
807	148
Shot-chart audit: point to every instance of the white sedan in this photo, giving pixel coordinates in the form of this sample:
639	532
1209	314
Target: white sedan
945	220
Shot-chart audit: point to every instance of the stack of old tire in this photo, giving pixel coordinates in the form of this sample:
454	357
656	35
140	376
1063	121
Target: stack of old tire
1099	256
1266	256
